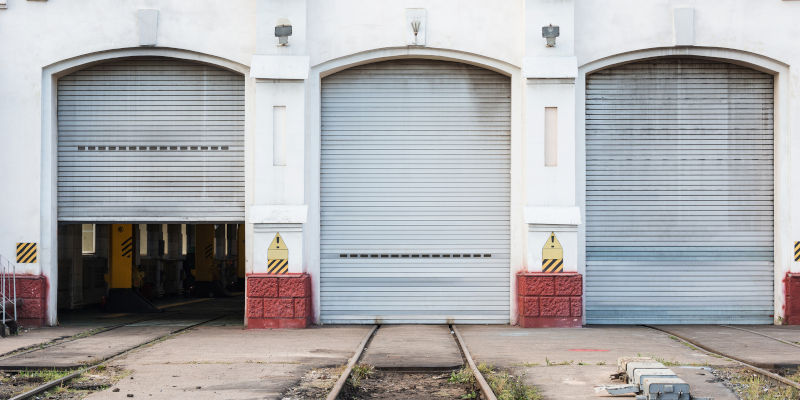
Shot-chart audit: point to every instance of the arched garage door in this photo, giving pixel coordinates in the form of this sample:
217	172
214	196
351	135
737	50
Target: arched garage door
679	193
415	194
151	139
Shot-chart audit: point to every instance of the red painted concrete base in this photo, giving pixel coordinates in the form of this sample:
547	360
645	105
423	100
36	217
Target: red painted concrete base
278	301
792	316
549	300
32	300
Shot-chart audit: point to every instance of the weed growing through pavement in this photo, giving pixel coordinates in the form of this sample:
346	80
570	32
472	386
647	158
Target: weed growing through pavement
555	363
506	386
45	375
601	363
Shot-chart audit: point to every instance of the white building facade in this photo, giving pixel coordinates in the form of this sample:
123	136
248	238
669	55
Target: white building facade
415	156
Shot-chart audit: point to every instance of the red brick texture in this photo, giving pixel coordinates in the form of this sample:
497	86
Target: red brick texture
549	300
792	307
278	301
32	300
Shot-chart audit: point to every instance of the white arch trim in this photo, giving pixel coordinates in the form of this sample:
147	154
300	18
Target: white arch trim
48	251
782	166
311	231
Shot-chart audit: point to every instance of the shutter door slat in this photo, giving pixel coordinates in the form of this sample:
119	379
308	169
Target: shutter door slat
151	139
415	190
679	194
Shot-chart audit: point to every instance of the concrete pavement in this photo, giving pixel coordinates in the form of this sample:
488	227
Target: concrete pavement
747	343
567	363
413	347
228	362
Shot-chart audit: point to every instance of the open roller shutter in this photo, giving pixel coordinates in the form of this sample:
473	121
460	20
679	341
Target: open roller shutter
679	194
415	194
151	140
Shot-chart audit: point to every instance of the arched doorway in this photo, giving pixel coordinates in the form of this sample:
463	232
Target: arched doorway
415	192
679	193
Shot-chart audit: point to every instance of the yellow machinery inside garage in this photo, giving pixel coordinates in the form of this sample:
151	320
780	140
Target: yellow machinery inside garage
129	267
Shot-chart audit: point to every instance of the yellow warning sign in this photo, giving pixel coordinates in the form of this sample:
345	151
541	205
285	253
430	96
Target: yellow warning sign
277	256
552	255
797	251
26	253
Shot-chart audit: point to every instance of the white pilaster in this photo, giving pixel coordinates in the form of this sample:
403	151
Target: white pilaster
550	74
280	73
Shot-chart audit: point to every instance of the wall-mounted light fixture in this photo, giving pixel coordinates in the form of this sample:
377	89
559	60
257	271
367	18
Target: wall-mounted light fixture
283	29
550	33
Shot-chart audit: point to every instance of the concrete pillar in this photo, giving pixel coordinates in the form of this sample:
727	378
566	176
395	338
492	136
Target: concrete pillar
550	72
279	168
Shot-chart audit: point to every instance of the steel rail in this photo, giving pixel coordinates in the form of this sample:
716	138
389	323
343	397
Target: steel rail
741	363
337	388
47	385
488	394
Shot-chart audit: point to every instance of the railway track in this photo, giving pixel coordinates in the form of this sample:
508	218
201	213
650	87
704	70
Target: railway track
105	360
740	362
486	391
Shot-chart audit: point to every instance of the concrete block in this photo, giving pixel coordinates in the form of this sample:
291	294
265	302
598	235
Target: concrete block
147	21
537	285
302	307
278	308
299	286
255	308
792	307
29	286
554	306
262	287
569	285
576	307
530	306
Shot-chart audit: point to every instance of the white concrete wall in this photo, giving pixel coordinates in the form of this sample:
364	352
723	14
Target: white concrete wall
503	36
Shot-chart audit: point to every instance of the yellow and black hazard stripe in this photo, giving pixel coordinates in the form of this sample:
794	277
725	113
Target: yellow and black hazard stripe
277	266
209	251
27	253
552	265
797	251
127	247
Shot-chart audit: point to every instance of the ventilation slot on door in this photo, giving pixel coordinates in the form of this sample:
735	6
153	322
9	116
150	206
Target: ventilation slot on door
153	148
414	255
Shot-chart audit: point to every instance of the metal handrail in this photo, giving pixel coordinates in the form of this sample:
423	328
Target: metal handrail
8	295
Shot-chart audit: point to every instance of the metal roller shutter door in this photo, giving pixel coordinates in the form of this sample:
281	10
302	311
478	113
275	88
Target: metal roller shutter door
679	194
415	194
151	140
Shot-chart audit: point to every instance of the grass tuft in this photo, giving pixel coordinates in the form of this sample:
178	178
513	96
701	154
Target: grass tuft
506	386
359	373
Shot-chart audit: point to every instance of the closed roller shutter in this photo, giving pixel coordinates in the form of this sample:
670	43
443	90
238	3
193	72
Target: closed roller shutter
151	140
415	194
679	194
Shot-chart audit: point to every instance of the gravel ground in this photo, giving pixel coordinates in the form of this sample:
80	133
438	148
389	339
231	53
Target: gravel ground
316	384
751	386
12	384
393	385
